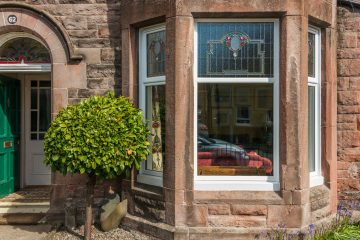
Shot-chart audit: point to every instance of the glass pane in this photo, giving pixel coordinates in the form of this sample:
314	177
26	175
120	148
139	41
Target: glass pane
23	50
156	54
33	136
235	133
155	113
311	57
45	109
235	49
41	136
34	83
243	115
34	119
45	84
34	101
311	130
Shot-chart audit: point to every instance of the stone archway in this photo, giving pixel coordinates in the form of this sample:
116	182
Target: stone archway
66	64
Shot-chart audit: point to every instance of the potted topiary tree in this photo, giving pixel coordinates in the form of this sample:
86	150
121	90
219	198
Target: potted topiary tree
103	137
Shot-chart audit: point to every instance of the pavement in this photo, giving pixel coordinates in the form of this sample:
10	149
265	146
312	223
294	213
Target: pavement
22	232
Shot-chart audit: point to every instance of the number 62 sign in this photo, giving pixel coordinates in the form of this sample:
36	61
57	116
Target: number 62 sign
12	19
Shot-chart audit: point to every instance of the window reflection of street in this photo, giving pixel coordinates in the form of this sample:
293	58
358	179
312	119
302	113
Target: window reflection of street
218	157
235	137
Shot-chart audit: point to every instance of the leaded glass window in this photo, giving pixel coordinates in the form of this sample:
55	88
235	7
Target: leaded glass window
237	105
152	96
24	50
235	49
155	114
156	54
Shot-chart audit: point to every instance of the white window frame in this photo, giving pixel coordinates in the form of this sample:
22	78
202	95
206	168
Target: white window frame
245	183
242	118
316	177
147	176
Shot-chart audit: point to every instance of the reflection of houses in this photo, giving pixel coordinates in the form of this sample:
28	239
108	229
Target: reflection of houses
255	79
244	109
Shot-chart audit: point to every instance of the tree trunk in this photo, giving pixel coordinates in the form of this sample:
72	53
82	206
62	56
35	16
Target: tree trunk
89	202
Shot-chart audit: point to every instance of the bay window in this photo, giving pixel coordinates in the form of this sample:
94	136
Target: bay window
152	100
236	105
314	107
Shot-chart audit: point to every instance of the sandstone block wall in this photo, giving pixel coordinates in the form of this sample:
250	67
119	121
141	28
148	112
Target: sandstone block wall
348	122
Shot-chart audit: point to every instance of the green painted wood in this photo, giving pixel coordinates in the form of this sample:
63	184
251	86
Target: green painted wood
9	133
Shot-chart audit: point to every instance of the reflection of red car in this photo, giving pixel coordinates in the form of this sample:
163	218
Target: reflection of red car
259	161
253	160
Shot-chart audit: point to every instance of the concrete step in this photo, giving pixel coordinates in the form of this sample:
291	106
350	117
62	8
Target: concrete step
22	212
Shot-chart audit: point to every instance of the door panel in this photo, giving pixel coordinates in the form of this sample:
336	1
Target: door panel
9	135
37	121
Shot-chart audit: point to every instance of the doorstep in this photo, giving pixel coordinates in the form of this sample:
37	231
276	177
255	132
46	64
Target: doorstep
27	206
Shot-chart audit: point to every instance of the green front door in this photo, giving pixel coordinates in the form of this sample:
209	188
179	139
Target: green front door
9	135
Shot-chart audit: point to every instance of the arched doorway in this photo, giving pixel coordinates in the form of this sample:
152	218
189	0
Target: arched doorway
67	71
25	114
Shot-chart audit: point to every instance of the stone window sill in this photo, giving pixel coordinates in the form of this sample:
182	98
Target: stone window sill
150	179
245	197
236	186
316	181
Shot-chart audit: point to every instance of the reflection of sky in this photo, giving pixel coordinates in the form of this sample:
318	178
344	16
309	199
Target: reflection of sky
223	59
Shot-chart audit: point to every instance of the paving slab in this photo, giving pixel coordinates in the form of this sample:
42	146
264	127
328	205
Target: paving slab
24	232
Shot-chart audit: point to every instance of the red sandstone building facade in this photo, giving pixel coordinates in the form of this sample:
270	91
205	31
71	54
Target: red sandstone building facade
253	106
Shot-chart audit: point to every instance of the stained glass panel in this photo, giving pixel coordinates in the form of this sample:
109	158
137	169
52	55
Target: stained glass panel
23	50
155	113
156	54
235	49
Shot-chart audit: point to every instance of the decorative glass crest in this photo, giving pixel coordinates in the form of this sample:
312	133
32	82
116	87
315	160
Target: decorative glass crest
24	51
235	41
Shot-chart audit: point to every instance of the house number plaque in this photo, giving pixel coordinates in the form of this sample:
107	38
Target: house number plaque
12	19
8	144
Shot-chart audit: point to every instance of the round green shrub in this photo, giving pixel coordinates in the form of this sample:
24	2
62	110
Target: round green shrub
103	136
